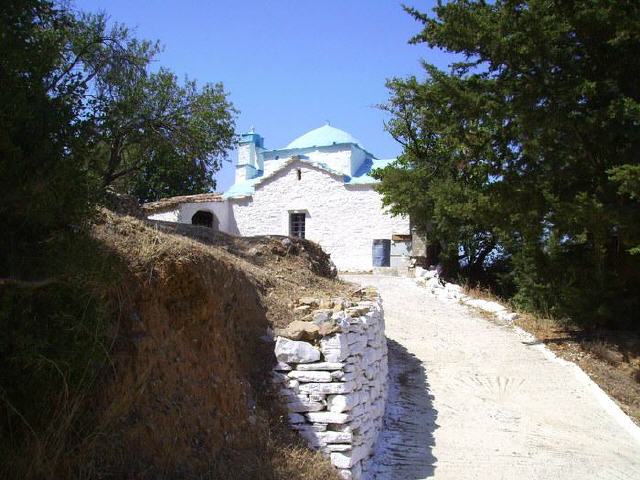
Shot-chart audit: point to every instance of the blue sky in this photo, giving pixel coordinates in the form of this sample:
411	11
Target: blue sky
288	65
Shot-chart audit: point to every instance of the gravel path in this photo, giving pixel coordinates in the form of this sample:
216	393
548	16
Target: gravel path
470	399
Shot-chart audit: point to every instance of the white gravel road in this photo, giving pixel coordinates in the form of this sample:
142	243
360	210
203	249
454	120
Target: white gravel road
470	399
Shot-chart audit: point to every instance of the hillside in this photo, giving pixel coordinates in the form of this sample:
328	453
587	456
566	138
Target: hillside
184	392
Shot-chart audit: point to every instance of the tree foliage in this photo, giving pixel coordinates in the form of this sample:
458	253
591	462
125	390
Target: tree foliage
524	157
81	110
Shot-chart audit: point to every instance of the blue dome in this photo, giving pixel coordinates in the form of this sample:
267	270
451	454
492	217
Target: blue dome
323	137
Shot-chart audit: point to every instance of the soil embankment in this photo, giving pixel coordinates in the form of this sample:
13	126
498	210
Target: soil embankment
187	392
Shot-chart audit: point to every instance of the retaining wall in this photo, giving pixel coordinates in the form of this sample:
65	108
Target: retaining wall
332	373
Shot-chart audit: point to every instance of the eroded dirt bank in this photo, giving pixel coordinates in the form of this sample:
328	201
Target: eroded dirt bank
186	394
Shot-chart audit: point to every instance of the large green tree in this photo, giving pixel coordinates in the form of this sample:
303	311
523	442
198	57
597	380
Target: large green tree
81	110
526	152
151	135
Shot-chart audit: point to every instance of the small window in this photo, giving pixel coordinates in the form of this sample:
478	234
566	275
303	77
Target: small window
296	224
299	173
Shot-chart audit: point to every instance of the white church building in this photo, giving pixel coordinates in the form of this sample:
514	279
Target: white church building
318	187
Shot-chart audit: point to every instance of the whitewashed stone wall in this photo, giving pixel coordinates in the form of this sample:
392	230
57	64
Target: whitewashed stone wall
335	385
343	219
184	212
172	215
450	292
342	158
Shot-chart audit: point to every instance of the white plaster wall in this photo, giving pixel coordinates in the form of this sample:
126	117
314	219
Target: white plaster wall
167	216
344	220
221	210
337	157
250	159
357	158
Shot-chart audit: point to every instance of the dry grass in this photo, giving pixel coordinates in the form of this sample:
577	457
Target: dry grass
601	350
175	399
481	293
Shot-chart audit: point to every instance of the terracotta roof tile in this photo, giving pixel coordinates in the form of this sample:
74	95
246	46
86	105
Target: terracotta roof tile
170	202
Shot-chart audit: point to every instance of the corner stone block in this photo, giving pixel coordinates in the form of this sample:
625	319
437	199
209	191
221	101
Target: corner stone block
341	403
335	437
293	351
299	405
320	366
331	388
341	460
328	417
310	376
334	347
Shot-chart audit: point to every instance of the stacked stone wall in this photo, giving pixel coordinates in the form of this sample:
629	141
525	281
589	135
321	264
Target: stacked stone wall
334	382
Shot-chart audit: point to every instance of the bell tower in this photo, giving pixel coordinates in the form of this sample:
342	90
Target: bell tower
250	159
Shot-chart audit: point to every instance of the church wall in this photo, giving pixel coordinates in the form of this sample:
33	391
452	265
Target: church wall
183	214
221	210
344	220
339	160
336	157
357	158
167	216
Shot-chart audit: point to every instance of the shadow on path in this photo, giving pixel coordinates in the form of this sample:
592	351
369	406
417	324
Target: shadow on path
404	449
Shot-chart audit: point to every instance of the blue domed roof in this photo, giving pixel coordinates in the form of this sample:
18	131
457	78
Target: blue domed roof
323	137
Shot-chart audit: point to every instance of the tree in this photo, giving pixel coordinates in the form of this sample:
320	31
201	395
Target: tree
43	184
80	111
526	152
149	134
156	137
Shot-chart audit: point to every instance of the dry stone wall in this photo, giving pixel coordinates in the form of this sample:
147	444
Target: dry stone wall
332	374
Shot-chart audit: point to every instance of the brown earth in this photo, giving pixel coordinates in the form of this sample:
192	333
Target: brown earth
187	394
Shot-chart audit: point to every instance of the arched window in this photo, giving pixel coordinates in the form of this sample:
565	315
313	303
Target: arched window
204	218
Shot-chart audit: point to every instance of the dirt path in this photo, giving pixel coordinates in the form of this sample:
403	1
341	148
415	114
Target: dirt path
470	399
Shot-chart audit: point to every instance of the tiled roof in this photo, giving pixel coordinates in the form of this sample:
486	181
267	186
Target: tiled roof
167	203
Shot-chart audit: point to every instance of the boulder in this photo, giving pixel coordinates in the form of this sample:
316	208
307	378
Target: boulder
335	347
292	351
300	330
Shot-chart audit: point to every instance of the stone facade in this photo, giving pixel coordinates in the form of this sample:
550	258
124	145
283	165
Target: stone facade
335	385
324	175
342	218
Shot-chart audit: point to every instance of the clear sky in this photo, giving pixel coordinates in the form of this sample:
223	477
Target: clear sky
288	65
